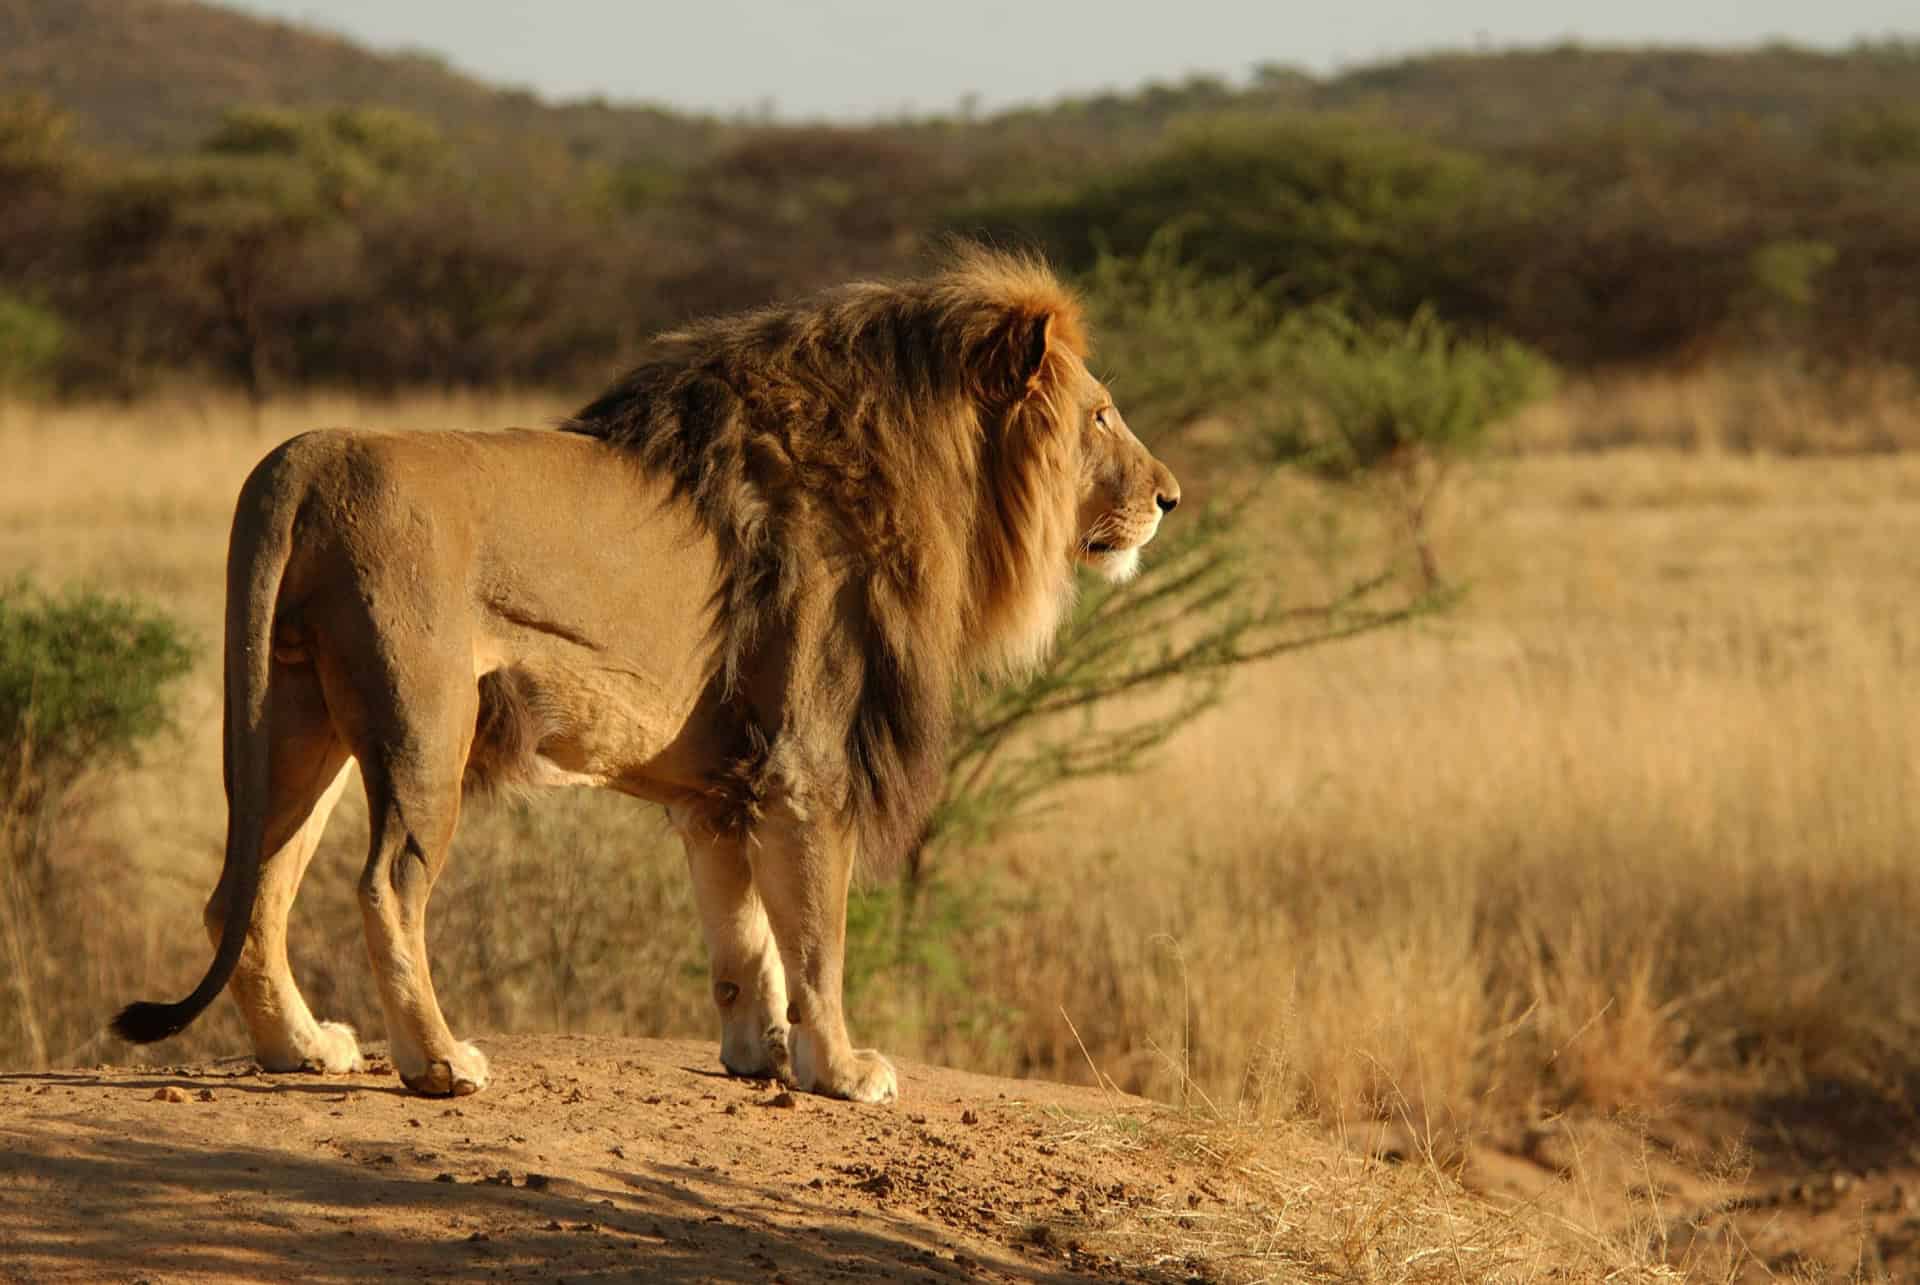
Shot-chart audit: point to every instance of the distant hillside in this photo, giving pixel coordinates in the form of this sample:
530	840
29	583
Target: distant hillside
1523	95
154	75
188	189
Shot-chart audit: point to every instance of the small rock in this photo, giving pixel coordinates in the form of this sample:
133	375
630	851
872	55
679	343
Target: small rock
733	1108
783	1099
205	1095
443	1177
537	1182
618	1153
969	1117
171	1093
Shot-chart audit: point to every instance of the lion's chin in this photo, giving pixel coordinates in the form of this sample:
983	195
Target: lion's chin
1115	566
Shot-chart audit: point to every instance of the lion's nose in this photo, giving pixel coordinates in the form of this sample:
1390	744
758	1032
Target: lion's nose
1166	488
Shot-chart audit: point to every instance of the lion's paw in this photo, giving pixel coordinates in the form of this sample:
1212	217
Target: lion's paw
328	1048
865	1076
336	1051
873	1078
755	1052
453	1077
862	1075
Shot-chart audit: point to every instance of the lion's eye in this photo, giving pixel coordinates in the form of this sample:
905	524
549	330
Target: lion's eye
1100	418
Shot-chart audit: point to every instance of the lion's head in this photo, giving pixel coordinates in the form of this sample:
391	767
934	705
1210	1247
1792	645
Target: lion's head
1124	492
931	457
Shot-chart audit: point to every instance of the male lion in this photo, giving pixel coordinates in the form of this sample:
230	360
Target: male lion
743	583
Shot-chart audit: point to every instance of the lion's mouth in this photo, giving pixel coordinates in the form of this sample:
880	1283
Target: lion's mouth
1100	548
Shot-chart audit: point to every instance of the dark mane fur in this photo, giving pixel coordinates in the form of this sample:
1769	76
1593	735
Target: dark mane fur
900	455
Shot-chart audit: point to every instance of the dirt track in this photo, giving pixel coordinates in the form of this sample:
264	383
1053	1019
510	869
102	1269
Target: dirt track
586	1158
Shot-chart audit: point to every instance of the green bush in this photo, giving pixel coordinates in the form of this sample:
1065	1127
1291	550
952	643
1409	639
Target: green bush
1395	405
1876	137
1372	393
83	682
30	342
1306	208
1182	342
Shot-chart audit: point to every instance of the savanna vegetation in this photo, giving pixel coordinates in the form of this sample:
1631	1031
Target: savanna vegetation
1519	736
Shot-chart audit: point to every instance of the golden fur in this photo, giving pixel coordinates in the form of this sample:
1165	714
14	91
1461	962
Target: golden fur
744	582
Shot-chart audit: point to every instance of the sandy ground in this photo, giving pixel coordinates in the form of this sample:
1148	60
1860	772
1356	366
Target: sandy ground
587	1158
595	1158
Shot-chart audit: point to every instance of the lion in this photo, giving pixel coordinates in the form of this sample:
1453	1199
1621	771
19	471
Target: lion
744	583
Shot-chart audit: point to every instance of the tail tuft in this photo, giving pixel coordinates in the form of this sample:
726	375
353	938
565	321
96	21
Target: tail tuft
146	1023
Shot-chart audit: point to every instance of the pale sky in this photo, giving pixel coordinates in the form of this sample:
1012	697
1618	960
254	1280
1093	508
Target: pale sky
856	58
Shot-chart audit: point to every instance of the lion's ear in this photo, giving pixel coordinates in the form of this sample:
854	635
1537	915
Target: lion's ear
1016	358
1033	353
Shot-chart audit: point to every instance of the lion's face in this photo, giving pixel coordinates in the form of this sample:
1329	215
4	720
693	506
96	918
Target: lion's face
1124	491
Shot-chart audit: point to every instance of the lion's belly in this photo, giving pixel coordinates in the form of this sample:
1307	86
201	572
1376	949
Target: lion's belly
601	604
606	725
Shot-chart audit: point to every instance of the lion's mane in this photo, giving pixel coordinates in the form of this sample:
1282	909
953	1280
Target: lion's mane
914	442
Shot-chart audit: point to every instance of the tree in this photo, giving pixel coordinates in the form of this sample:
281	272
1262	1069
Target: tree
1394	406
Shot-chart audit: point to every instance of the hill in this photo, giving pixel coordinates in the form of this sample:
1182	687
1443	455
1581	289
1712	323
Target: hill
155	75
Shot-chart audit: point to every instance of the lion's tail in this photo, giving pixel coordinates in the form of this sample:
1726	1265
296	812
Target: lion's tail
257	558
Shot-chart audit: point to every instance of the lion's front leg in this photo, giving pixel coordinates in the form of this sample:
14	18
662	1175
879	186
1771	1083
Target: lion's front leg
749	985
802	872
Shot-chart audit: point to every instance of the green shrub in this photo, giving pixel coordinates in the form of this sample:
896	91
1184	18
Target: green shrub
1306	208
1182	342
34	146
83	682
30	342
1395	405
1369	394
1876	137
1786	274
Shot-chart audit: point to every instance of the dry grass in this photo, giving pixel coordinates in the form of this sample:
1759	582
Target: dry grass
1777	406
1640	814
1642	806
1273	1202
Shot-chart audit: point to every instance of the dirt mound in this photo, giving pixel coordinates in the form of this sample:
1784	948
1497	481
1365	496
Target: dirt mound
596	1157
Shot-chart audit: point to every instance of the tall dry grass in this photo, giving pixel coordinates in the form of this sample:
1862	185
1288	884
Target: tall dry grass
1639	814
1780	405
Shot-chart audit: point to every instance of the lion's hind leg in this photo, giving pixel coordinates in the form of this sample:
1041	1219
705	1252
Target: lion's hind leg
410	721
307	770
749	985
413	826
